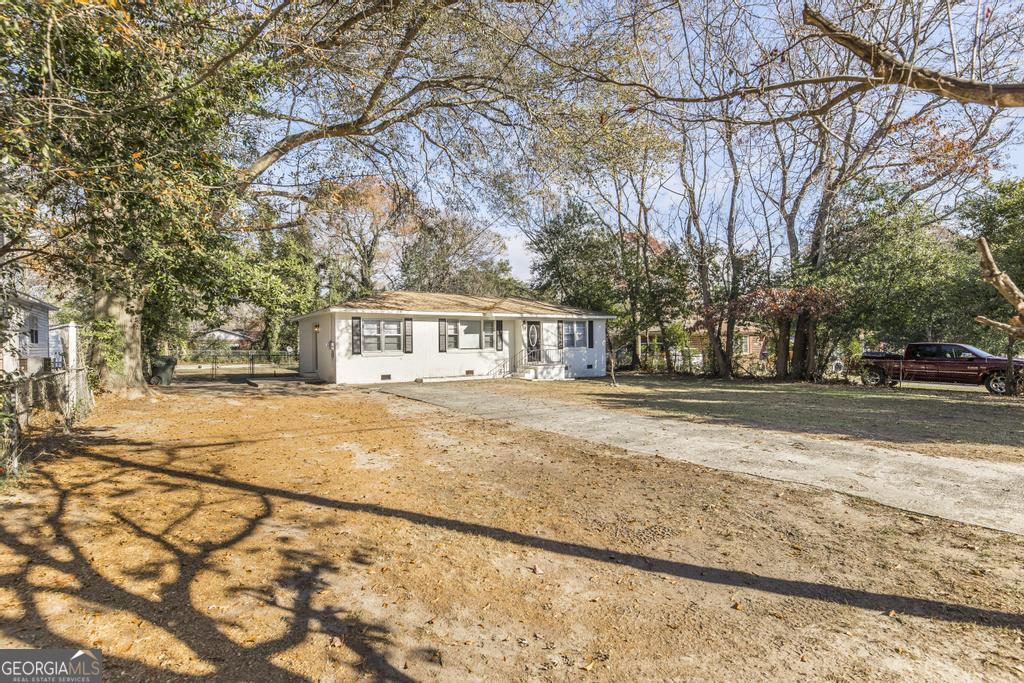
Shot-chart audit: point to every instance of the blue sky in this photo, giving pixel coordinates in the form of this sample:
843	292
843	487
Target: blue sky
519	254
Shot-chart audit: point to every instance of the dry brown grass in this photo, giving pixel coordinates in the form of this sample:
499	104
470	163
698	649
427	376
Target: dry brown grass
324	534
960	424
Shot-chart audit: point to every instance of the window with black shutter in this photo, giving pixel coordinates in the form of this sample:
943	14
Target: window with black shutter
442	335
408	335
590	334
561	334
499	343
357	336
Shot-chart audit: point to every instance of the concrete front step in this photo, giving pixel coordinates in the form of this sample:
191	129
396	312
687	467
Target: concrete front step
543	371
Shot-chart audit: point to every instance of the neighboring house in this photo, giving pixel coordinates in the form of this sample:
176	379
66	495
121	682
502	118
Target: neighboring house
29	348
750	342
409	336
234	339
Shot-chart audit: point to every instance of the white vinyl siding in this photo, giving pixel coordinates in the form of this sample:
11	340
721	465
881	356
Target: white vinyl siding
429	360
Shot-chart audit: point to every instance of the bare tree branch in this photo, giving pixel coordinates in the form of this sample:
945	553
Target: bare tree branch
891	70
991	274
1015	331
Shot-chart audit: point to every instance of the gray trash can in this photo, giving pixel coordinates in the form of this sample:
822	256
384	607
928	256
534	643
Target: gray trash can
163	370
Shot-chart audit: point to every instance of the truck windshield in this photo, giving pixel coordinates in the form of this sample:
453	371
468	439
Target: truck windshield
976	351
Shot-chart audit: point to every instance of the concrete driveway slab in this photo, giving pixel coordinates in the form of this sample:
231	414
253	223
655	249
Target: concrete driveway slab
988	494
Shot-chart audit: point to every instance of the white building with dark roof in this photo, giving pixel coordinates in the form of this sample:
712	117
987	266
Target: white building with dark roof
233	339
28	320
413	336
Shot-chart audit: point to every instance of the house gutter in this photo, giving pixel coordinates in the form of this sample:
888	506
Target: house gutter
457	314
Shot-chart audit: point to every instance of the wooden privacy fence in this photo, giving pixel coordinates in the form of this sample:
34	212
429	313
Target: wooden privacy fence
64	397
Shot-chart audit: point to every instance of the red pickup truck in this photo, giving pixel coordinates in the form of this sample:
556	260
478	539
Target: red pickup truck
933	362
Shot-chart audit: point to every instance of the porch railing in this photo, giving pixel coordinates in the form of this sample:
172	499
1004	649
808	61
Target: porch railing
516	362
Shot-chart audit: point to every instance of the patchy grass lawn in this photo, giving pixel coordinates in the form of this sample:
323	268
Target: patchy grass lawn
304	533
961	424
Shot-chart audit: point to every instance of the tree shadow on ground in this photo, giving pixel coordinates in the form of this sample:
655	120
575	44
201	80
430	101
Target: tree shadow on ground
206	640
898	416
233	386
52	544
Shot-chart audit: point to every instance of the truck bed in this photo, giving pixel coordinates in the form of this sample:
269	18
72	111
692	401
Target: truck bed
882	355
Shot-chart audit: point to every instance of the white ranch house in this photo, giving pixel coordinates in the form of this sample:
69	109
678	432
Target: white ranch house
413	336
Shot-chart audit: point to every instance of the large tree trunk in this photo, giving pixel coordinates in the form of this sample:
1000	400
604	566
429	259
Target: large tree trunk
803	348
665	350
670	366
782	349
723	360
730	339
812	350
116	349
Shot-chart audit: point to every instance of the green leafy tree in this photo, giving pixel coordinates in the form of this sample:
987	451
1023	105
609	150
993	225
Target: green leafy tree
574	263
450	253
997	214
900	275
285	282
111	130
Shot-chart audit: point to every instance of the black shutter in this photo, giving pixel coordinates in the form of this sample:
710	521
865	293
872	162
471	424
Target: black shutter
590	334
442	335
499	343
407	342
357	336
561	334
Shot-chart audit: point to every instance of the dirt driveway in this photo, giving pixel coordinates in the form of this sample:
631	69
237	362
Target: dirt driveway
321	534
987	493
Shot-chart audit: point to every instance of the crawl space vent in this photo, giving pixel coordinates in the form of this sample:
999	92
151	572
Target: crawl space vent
383	377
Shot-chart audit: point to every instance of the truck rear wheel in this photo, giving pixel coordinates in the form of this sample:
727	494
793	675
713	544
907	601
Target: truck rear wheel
873	376
996	384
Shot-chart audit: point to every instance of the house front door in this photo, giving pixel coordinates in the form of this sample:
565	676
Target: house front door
532	341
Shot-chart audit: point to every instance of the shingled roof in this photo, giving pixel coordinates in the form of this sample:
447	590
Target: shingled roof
430	302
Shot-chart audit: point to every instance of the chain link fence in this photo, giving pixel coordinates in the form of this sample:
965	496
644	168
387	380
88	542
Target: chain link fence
214	363
62	398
